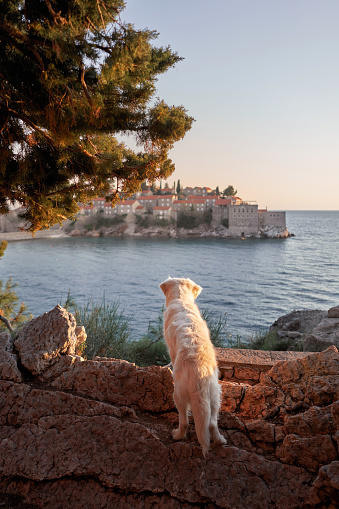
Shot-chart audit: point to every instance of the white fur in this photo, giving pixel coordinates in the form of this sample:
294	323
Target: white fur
195	371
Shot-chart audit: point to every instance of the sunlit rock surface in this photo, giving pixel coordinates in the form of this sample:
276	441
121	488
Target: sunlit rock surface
90	434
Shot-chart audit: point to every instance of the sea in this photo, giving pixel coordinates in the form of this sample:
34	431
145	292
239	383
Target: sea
249	283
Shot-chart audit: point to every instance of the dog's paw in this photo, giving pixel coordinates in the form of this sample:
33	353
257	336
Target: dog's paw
177	434
221	440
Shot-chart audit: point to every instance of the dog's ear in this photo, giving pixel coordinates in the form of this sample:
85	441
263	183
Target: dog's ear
196	290
165	286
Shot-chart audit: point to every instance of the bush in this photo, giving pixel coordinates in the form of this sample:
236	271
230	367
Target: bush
106	327
188	221
144	221
225	222
12	315
269	340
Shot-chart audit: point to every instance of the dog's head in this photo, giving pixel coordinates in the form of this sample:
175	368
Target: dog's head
177	287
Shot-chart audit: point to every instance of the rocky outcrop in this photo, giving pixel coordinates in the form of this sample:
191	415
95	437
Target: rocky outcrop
171	231
91	434
326	333
309	330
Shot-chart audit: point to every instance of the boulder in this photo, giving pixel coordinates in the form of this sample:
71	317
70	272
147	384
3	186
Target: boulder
325	334
8	360
89	434
43	340
333	312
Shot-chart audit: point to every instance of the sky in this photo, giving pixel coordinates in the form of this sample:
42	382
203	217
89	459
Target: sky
261	79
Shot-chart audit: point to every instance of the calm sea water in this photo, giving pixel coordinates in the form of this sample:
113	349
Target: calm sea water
253	281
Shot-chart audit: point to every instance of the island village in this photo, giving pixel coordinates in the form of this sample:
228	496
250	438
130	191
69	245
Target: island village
151	210
166	212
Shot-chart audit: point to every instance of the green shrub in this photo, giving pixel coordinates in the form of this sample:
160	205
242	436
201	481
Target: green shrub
144	221
225	222
269	340
188	221
107	329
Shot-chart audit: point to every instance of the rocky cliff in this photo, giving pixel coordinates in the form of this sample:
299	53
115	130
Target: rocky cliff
202	231
97	434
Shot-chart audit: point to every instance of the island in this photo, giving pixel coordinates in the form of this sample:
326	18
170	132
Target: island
193	212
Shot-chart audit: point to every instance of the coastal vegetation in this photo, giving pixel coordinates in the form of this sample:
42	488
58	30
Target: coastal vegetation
109	334
12	314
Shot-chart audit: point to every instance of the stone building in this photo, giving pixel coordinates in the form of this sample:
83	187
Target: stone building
272	218
239	218
162	212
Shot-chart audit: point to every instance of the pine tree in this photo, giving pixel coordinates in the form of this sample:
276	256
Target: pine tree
178	187
229	191
73	77
9	314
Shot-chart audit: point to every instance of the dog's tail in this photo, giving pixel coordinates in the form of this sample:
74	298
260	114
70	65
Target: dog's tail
201	409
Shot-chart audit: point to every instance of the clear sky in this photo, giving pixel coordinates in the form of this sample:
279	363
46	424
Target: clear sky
261	79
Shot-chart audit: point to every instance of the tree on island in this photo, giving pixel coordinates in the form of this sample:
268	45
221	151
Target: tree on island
229	191
73	78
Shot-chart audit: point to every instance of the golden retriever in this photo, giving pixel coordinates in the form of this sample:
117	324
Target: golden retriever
195	371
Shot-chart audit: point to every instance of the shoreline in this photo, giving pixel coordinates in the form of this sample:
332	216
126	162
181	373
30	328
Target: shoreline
131	230
44	234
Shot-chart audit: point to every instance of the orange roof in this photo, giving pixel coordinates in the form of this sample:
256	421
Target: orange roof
161	208
127	202
140	207
223	201
148	197
196	200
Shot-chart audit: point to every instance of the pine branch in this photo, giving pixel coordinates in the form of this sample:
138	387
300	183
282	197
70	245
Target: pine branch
7	323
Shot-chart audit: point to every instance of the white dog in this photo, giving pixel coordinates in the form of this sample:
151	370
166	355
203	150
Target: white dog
195	371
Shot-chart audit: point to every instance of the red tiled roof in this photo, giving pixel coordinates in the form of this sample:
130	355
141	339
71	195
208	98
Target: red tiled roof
148	198
127	202
140	207
161	208
223	201
195	201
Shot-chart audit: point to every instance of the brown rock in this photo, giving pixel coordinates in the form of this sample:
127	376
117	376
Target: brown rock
41	342
333	312
315	421
325	334
311	453
328	480
8	360
89	434
121	383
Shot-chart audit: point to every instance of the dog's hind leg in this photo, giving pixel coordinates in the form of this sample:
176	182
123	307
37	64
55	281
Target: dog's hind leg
215	392
181	403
